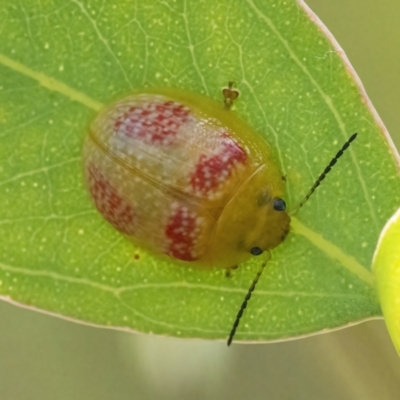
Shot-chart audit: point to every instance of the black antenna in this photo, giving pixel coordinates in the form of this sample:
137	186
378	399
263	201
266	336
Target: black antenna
245	301
326	171
259	273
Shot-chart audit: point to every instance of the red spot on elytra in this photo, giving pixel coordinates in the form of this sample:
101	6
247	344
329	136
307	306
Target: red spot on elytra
110	204
211	172
182	232
154	123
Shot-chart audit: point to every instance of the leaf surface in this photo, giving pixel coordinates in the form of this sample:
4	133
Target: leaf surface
61	61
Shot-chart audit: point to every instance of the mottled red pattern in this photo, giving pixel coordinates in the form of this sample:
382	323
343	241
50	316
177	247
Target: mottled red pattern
110	204
181	230
154	123
211	172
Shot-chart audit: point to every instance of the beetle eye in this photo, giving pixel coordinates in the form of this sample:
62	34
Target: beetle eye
279	204
256	251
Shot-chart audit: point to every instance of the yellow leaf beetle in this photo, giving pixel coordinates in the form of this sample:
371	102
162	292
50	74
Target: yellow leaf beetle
184	176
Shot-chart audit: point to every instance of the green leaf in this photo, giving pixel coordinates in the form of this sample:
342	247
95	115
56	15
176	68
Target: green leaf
60	61
386	266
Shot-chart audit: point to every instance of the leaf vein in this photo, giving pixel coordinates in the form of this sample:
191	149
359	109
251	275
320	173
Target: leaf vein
51	83
328	102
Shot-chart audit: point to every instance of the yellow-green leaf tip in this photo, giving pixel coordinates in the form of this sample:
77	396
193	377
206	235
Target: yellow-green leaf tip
386	266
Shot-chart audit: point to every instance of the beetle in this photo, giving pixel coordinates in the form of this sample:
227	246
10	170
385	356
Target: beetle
183	176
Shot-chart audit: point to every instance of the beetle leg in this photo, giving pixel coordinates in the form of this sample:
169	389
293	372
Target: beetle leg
228	272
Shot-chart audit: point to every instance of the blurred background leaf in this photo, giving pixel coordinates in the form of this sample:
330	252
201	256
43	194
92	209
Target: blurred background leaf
386	267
